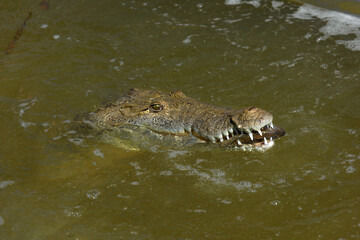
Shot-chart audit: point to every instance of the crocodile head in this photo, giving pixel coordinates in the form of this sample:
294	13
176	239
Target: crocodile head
175	113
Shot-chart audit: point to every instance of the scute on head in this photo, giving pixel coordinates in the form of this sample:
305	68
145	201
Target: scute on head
177	94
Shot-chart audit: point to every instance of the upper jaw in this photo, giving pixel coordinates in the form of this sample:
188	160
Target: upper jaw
262	137
250	126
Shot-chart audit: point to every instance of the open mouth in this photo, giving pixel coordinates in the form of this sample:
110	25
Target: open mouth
262	138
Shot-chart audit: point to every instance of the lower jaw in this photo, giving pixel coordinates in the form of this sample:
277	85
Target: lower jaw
249	146
259	146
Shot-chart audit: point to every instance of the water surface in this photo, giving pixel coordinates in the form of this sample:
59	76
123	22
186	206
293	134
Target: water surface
299	62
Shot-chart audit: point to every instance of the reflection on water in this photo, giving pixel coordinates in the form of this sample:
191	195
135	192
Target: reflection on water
300	62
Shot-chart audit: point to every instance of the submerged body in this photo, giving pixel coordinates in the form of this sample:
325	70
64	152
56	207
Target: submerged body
176	114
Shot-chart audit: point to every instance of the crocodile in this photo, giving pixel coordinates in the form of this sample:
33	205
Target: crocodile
183	117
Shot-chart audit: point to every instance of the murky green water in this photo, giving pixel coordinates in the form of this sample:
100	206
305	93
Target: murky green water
301	63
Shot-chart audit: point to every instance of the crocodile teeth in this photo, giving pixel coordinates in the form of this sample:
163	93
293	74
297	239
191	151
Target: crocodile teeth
271	138
265	141
251	136
226	135
230	130
238	142
219	137
271	125
259	131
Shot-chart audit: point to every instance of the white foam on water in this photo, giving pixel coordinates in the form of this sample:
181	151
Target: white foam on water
22	105
4	184
196	211
175	153
224	201
74	211
337	23
350	169
76	141
93	193
21	112
71	132
187	40
275	202
56	138
276	4
218	177
66	121
232	2
233	21
199	5
27	124
123	196
255	3
98	153
166	173
26	106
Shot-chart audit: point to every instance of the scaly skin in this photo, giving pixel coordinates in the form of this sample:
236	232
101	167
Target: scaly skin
175	113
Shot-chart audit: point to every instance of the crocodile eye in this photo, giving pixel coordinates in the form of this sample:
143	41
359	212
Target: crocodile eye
156	107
